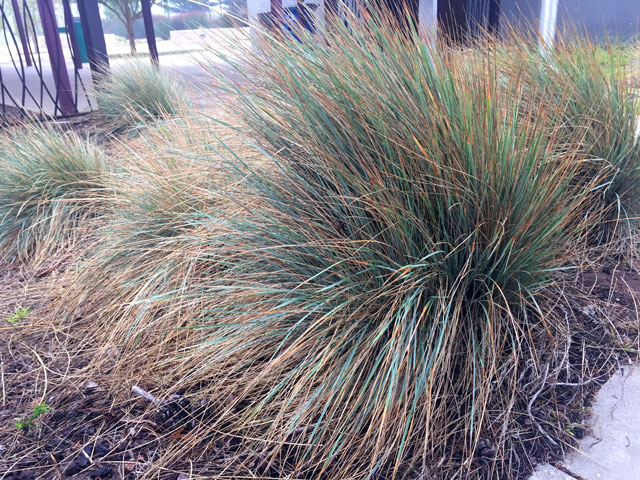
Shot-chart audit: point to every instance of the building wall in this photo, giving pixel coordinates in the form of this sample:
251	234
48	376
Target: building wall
617	19
521	15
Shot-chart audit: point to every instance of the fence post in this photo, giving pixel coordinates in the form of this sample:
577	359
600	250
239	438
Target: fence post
64	96
94	36
494	17
75	50
256	11
21	34
548	17
277	15
428	21
145	5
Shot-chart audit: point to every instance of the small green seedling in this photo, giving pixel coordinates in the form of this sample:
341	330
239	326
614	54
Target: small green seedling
21	314
30	422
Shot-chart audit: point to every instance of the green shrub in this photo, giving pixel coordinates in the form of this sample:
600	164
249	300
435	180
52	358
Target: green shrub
372	309
49	181
136	93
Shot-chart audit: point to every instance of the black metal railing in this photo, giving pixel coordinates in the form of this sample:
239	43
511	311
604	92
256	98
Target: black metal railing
41	69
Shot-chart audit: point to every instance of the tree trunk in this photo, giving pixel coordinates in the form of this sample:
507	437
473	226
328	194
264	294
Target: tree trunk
132	38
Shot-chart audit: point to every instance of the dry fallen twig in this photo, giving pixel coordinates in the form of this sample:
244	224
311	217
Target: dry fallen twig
146	395
532	401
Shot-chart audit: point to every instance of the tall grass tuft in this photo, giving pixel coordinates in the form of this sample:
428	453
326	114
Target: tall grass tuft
380	298
49	181
168	197
137	93
601	120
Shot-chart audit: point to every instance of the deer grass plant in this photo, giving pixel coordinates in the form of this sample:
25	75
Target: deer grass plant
601	120
137	93
49	181
382	296
358	278
169	196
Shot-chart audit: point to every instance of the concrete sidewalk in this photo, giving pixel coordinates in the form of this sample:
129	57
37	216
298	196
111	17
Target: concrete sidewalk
35	95
612	452
27	88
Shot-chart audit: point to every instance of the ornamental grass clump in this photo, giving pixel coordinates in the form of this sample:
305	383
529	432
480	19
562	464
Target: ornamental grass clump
168	197
380	304
600	119
137	93
49	181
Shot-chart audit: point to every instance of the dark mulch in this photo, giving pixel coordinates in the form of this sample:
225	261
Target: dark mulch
600	304
614	283
86	434
11	115
88	125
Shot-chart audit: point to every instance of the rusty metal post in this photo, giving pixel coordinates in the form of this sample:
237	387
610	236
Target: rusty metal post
94	37
68	21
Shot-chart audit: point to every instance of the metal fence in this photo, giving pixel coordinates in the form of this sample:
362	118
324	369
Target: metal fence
49	59
35	75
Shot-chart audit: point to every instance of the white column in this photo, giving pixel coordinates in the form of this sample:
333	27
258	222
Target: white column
548	17
428	20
